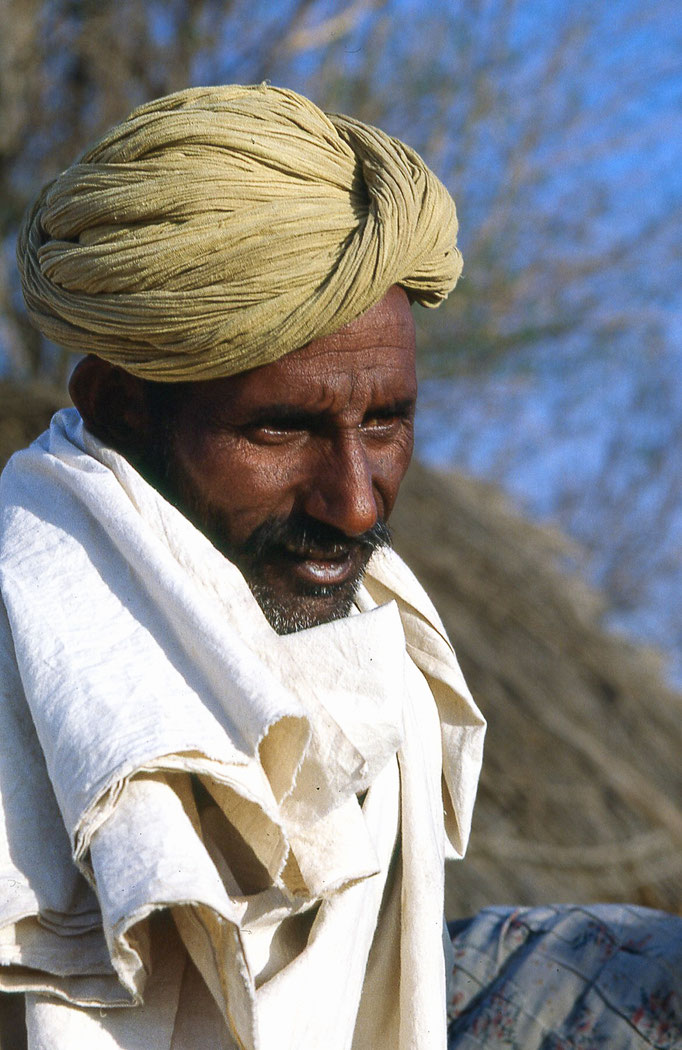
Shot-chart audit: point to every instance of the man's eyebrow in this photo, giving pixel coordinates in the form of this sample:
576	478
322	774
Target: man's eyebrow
283	413
400	407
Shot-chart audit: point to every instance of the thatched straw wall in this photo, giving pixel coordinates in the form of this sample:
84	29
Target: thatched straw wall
580	795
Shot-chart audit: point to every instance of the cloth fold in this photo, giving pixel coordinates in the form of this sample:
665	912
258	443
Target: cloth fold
168	752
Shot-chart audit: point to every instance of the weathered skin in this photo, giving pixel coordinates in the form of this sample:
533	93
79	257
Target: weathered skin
289	467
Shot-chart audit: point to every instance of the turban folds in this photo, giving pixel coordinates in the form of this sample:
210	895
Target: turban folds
216	229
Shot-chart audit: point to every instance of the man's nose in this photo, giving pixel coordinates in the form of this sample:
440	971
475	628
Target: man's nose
341	490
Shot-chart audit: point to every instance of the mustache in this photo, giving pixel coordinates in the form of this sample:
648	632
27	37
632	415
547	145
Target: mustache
306	535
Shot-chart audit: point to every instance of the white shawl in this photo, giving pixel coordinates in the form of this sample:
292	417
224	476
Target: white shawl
133	655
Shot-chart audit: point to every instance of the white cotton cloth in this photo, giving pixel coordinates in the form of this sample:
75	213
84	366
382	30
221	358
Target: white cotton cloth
184	859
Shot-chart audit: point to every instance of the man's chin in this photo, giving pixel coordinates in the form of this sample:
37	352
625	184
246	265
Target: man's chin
290	612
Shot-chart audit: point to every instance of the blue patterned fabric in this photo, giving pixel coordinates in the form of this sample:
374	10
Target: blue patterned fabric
567	978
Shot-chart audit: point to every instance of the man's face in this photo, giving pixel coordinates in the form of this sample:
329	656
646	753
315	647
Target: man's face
292	469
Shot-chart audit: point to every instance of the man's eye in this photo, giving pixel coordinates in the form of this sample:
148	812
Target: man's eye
381	423
274	432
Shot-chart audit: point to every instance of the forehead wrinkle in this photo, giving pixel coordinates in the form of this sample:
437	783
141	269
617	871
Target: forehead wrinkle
364	387
334	369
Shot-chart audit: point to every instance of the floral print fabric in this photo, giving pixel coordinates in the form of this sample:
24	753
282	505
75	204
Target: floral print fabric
567	978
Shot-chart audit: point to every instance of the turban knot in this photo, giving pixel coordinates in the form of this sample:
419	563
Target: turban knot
216	229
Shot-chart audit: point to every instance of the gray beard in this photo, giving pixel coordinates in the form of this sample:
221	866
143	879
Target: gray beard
289	621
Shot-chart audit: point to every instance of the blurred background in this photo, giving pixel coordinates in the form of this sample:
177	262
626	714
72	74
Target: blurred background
554	370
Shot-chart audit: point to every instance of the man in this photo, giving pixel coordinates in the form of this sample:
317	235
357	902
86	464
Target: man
237	745
240	744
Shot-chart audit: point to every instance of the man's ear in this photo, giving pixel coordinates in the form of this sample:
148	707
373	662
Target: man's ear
113	404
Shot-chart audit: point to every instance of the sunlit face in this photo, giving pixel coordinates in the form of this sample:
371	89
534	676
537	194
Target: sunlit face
292	469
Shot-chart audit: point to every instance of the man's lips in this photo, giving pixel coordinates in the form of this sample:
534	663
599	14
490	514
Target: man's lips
321	567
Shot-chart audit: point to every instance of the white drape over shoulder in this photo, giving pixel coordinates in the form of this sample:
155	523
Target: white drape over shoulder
182	834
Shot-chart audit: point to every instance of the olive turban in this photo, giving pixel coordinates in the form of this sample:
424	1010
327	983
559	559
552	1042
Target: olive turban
219	228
